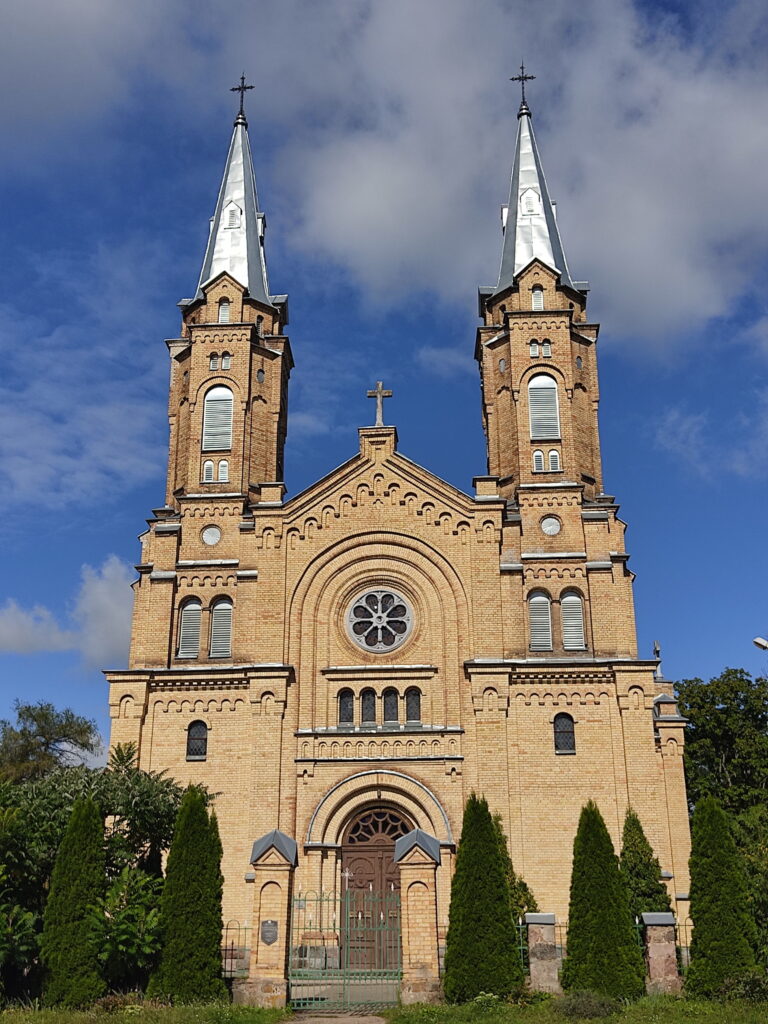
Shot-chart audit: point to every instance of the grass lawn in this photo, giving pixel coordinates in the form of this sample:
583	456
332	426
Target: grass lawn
140	1014
659	1010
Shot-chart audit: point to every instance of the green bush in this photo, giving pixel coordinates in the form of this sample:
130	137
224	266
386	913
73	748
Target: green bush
189	968
126	925
751	987
603	954
481	955
521	899
641	870
68	949
581	1004
723	931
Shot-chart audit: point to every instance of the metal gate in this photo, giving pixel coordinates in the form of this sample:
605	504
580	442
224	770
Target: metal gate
345	950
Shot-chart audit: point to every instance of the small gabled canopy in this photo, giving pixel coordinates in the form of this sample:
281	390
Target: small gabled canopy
423	840
236	240
279	841
530	228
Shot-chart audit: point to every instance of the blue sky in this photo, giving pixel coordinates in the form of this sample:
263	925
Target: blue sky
382	136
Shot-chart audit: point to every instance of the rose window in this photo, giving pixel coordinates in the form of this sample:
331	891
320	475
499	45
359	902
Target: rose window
379	620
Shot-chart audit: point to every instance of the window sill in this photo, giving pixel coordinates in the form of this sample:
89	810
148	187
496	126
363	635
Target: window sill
565	753
197	757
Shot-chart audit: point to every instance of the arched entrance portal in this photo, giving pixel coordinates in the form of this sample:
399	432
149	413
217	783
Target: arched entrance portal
368	850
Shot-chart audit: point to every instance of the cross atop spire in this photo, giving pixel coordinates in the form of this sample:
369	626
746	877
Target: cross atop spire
522	78
243	89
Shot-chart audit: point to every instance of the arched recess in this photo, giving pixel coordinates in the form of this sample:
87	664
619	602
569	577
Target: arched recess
394	559
350	796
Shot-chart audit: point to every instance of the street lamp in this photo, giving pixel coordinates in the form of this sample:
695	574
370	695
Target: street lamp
761	642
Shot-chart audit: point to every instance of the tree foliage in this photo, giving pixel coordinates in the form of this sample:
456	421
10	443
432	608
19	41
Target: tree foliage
126	927
521	899
481	952
189	969
726	745
750	829
603	951
723	930
641	870
44	739
68	948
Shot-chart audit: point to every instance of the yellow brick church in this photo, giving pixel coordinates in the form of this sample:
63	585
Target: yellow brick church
343	666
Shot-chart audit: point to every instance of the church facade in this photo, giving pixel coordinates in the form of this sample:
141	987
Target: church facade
342	667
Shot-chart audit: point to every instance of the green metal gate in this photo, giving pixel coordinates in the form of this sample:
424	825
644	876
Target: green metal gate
345	950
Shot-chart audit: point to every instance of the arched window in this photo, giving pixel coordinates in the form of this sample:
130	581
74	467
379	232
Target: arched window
565	734
346	707
208	471
542	406
554	461
221	629
533	347
197	741
572	613
368	707
579	363
538	461
540	619
391	701
260	326
537	297
226	361
223	470
413	704
217	419
223	311
213	362
189	629
546	348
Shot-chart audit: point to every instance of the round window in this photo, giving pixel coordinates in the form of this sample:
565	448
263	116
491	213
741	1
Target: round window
211	535
379	620
551	526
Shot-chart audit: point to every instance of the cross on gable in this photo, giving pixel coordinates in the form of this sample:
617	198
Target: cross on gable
379	394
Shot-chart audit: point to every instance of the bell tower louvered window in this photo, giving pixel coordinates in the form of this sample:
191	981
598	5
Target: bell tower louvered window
197	741
223	471
572	612
543	410
221	629
224	311
538	461
537	298
540	619
189	629
208	471
217	419
554	461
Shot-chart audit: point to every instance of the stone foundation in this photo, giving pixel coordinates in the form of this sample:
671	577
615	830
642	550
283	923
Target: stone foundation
265	991
420	990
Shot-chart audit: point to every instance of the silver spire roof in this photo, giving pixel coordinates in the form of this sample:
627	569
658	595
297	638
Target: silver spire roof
236	241
530	228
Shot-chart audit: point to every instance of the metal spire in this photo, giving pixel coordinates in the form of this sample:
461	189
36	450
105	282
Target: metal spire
530	228
236	240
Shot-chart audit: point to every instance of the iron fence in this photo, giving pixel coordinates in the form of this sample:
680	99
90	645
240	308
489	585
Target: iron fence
235	950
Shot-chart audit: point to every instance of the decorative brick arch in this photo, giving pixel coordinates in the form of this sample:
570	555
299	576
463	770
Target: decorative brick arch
354	793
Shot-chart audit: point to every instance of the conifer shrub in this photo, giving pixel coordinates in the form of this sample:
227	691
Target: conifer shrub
521	899
641	871
68	948
603	954
481	954
723	930
189	968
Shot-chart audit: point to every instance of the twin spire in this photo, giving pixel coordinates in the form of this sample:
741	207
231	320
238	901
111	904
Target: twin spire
236	241
528	221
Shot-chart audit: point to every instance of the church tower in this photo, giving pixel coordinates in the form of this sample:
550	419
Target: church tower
344	666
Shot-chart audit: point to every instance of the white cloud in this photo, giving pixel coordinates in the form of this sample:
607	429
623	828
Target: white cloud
30	630
445	362
100	620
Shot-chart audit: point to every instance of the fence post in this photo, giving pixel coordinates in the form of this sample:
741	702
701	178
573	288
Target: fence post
274	858
662	974
417	854
544	957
